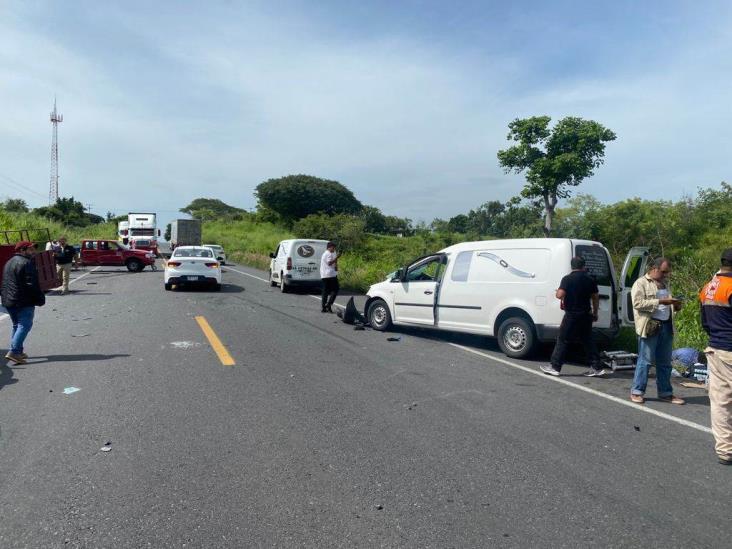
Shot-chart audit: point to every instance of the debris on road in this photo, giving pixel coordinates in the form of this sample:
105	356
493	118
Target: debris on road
394	338
79	335
636	428
184	344
350	315
107	447
71	390
379	507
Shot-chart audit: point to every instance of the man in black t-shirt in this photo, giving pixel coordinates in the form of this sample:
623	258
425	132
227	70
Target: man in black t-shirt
580	301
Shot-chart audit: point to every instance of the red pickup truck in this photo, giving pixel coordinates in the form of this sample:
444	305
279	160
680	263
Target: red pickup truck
110	253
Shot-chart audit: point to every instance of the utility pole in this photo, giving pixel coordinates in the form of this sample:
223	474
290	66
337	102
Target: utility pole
56	119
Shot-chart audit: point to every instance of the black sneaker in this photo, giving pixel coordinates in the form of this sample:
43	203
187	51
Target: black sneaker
549	370
323	310
594	373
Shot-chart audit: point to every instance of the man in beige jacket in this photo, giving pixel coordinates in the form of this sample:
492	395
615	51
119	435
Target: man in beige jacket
653	308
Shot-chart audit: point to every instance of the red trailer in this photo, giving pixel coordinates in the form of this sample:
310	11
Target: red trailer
45	262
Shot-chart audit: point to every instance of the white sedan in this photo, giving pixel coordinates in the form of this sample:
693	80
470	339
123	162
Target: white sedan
218	252
193	266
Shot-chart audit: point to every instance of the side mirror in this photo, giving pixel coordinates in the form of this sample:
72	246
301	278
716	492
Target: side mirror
272	256
398	276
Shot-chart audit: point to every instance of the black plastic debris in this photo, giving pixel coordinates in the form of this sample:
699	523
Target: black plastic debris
636	427
394	338
350	314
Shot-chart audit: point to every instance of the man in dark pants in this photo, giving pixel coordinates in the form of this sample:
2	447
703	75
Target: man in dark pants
21	293
580	301
329	276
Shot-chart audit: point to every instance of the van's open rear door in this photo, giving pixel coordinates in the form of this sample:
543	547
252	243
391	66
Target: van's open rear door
633	268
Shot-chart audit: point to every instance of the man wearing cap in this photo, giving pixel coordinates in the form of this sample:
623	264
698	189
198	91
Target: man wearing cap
716	316
21	293
64	255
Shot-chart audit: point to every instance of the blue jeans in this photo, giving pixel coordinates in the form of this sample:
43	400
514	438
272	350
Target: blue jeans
22	319
655	350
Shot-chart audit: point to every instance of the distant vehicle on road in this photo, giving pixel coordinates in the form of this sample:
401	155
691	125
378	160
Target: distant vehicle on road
123	231
110	253
503	289
185	232
192	266
218	252
296	263
143	226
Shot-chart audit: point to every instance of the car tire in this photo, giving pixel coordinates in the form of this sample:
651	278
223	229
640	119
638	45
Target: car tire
134	265
379	316
272	282
283	287
216	287
517	337
168	287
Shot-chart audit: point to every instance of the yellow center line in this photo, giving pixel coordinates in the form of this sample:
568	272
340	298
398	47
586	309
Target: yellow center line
224	356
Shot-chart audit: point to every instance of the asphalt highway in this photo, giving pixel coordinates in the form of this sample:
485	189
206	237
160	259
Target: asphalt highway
323	436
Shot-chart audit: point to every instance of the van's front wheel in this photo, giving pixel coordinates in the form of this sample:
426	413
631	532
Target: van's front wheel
379	315
516	337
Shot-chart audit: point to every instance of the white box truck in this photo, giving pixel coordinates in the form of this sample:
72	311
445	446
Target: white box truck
503	289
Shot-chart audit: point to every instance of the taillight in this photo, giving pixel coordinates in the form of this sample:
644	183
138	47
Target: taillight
212	265
173	263
289	263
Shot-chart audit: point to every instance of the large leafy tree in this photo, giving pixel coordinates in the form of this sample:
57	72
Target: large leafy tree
554	159
294	197
69	212
212	208
15	205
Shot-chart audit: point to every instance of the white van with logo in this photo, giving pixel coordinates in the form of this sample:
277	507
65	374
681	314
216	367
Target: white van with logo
296	263
501	288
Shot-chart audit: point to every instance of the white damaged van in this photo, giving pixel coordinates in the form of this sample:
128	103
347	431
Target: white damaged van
296	263
500	288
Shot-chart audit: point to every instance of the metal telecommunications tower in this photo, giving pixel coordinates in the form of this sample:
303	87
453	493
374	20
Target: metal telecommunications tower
56	118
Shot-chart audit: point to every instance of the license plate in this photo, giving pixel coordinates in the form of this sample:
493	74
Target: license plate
305	270
192	278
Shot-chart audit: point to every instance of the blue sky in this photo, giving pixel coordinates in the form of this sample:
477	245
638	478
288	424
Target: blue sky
404	102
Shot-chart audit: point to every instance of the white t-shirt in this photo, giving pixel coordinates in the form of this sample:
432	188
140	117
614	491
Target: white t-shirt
326	270
662	312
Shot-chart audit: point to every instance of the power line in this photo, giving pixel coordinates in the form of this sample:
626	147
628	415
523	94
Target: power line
20	186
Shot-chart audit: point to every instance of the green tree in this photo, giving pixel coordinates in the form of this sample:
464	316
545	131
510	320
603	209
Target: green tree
15	205
168	230
554	159
347	231
69	212
374	220
212	208
458	224
294	197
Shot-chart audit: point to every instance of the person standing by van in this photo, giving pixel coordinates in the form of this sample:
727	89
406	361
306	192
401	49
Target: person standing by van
64	257
653	307
580	300
329	276
21	293
716	314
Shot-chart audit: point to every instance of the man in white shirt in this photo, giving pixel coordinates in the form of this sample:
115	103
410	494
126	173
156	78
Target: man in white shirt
329	275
